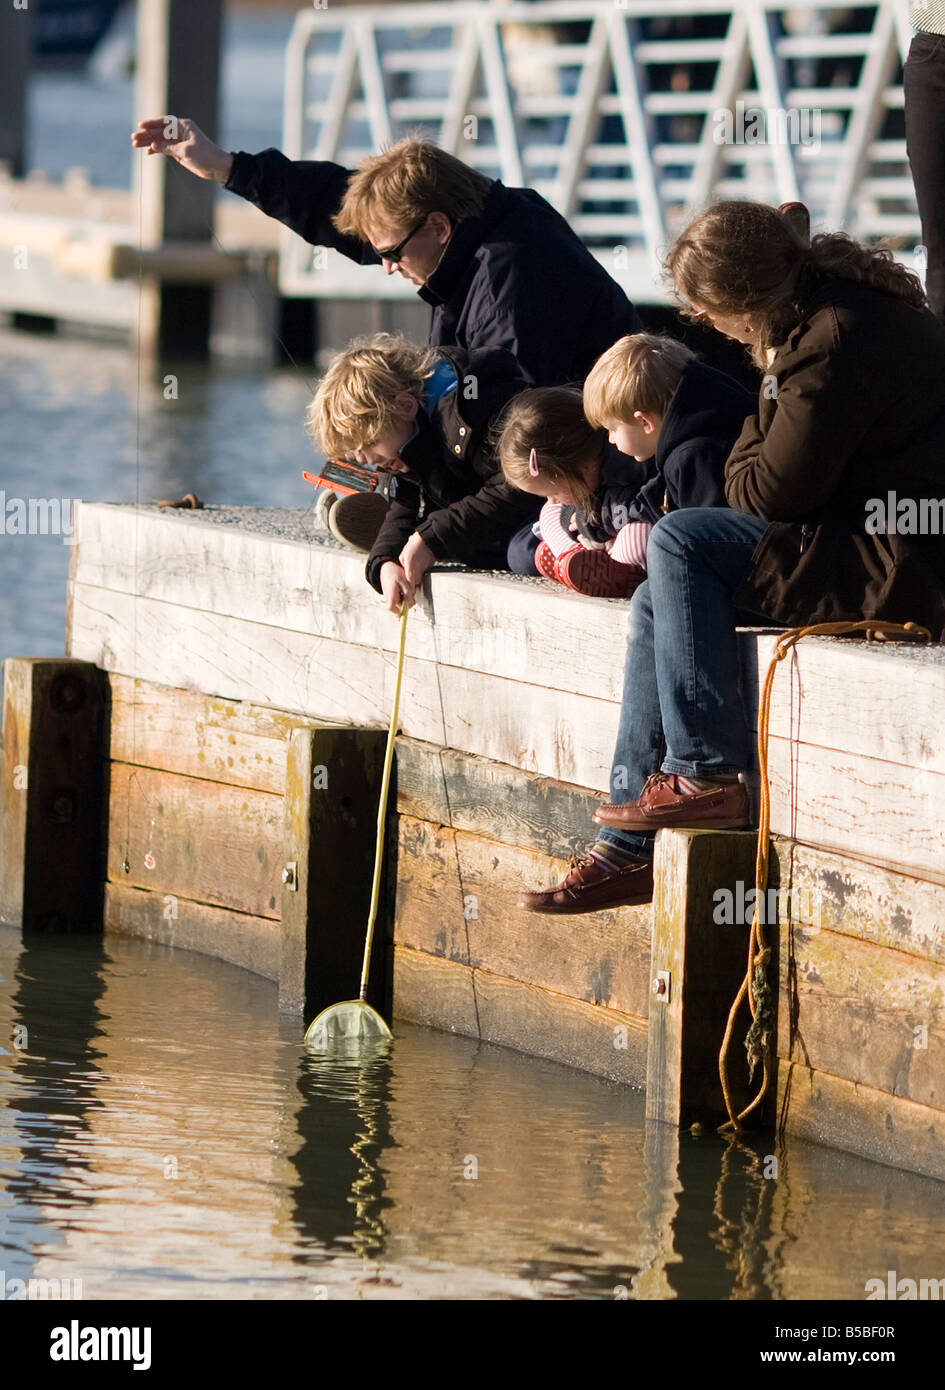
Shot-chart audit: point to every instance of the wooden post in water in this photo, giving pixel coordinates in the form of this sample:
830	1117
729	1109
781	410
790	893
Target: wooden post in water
178	75
16	58
52	795
332	785
698	960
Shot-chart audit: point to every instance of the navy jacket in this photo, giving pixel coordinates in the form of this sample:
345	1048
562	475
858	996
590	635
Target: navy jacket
703	421
454	494
515	277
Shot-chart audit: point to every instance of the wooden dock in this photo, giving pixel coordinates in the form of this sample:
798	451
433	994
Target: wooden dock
249	671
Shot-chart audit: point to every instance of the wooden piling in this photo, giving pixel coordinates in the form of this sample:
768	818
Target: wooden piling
332	786
178	75
52	795
699	956
16	60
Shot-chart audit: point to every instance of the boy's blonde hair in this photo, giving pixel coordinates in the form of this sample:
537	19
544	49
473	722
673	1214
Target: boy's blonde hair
640	372
354	404
550	420
405	183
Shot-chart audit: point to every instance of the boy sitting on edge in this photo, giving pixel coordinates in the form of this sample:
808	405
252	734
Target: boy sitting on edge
425	416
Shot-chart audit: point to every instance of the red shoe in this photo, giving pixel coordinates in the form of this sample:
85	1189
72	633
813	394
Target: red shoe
722	807
594	572
589	888
545	561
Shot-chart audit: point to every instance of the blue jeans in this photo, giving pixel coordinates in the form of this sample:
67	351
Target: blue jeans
682	709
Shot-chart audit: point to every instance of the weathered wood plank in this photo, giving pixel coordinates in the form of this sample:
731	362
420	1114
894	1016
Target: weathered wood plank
52	789
444	994
208	842
456	897
857	805
468	792
331	805
843	1115
864	901
470	915
864	1012
237	937
702	963
200	735
513	629
542	730
821	797
476	621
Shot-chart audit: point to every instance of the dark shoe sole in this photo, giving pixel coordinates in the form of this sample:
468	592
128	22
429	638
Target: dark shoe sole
356	520
594	573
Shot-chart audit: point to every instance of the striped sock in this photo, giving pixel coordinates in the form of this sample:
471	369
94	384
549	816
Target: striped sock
612	858
689	785
629	547
558	538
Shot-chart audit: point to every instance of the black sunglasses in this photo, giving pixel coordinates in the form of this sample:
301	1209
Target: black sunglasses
395	252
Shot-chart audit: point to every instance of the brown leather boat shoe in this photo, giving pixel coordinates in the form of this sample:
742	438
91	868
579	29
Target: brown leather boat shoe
723	807
589	888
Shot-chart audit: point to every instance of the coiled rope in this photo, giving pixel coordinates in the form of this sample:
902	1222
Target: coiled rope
756	985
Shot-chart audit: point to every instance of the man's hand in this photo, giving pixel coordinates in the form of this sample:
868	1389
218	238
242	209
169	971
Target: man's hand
395	586
416	558
183	140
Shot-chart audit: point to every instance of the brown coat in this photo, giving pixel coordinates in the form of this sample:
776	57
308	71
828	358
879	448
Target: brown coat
852	409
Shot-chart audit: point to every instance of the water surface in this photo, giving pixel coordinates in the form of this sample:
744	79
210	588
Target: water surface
165	1135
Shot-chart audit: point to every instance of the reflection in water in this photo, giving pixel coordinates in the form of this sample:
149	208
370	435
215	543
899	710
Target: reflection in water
166	1135
343	1127
54	1063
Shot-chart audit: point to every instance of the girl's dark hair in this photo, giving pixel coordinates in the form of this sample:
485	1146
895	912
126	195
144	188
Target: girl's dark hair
741	258
550	420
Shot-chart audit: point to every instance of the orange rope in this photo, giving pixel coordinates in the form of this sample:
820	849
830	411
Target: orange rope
758	949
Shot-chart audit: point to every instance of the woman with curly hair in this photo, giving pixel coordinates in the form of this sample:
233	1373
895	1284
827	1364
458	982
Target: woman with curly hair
828	487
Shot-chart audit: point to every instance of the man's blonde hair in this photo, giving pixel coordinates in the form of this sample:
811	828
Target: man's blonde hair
405	183
640	372
354	404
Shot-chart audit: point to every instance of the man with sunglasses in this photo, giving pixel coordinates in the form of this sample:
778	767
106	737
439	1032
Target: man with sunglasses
498	266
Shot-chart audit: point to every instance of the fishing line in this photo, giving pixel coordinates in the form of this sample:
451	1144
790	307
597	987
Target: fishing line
133	775
449	807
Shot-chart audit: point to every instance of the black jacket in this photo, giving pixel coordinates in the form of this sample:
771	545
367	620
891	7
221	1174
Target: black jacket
515	277
704	418
469	512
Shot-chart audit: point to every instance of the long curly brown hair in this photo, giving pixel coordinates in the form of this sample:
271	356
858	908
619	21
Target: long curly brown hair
745	258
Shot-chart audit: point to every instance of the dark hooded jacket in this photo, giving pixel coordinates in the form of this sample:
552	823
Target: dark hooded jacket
702	421
515	277
852	410
454	494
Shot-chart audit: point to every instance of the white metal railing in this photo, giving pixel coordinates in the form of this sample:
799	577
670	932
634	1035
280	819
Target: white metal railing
627	115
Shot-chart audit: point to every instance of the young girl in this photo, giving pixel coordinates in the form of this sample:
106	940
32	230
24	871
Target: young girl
656	402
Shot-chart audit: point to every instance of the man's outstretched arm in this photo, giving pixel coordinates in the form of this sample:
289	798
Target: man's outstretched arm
303	194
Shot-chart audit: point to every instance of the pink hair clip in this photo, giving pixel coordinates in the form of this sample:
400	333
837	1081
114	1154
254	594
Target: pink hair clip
533	464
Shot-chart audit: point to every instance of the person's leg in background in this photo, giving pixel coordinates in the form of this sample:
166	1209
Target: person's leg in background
923	79
520	555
